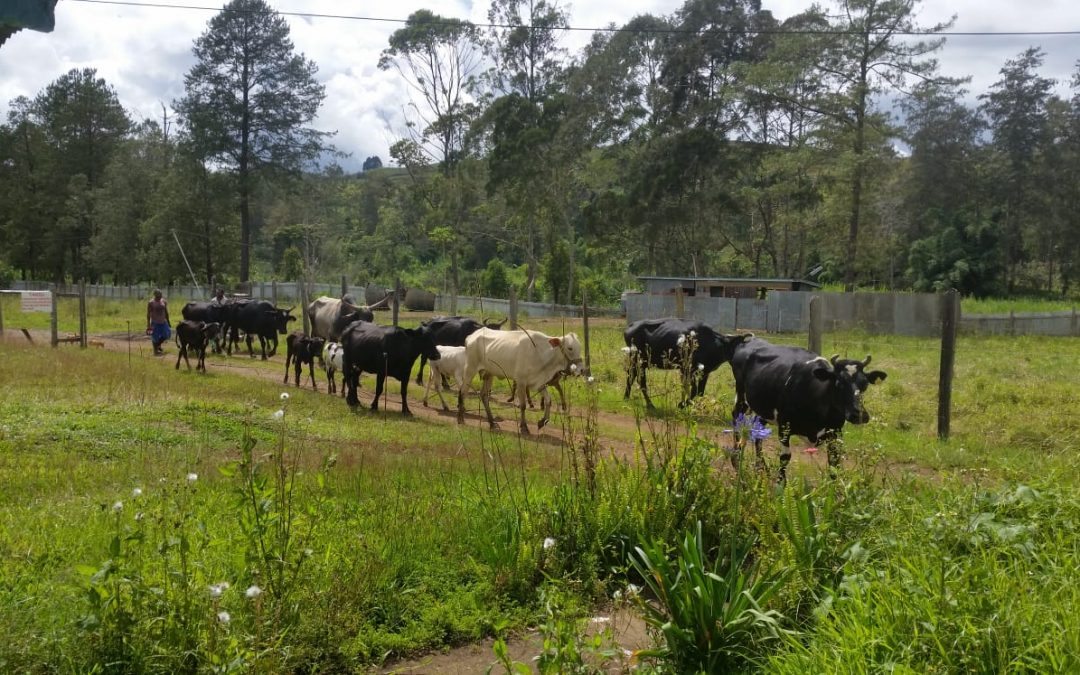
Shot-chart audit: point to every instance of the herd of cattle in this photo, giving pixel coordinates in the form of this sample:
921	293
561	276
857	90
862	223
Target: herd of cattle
801	392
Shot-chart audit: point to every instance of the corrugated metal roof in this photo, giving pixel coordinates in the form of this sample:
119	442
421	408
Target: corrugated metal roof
742	280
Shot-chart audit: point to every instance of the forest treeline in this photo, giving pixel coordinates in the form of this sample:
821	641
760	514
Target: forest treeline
714	141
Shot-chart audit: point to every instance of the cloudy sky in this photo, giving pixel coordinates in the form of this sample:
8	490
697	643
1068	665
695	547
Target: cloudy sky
144	52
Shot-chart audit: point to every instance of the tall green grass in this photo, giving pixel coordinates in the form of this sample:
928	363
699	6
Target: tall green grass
397	535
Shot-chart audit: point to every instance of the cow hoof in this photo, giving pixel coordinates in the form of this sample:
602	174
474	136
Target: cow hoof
540	425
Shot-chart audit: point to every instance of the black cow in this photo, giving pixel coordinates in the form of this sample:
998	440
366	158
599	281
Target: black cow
386	351
451	331
690	346
196	335
261	318
803	393
301	349
208	312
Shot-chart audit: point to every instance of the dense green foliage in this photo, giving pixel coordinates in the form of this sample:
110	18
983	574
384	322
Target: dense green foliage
712	141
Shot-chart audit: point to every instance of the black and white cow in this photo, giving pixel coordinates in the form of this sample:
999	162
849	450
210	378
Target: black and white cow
803	393
195	335
386	351
692	347
333	357
301	349
260	318
451	331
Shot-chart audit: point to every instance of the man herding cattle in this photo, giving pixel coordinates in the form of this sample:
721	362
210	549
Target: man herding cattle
157	322
803	393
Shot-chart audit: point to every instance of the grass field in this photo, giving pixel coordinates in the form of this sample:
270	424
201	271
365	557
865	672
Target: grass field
371	537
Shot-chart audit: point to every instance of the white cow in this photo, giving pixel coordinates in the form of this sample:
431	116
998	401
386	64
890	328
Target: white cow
451	363
529	358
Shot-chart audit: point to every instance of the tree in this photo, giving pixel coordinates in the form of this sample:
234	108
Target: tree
866	54
372	162
438	57
1017	109
249	100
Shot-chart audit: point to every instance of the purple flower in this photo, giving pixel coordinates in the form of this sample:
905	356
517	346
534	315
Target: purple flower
758	430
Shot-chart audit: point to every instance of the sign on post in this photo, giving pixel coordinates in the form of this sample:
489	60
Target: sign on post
36	301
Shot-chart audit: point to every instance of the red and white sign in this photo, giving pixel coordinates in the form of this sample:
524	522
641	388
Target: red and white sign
36	301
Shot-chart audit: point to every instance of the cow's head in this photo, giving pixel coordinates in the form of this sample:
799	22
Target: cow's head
282	317
847	380
570	347
727	344
211	330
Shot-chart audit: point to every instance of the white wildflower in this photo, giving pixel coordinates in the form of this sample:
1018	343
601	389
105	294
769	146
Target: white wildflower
284	396
693	333
600	619
137	492
573	367
253	592
681	341
701	366
279	414
139	516
617	595
223	617
217	589
192	477
548	543
632	590
590	379
118	507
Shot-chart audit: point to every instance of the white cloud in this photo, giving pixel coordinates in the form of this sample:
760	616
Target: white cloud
145	52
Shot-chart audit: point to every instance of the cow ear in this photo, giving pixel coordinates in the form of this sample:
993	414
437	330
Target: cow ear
554	342
875	375
824	373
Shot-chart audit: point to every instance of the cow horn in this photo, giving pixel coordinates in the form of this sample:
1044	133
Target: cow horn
832	360
289	310
866	362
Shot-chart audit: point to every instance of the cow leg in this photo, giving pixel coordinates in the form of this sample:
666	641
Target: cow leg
702	381
311	372
485	396
545	404
785	448
298	368
523	395
562	396
645	388
262	345
420	373
180	354
201	363
348	384
439	385
330	386
832	452
631	371
404	396
288	360
380	379
273	345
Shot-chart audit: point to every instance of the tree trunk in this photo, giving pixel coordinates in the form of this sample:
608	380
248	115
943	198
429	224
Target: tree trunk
857	178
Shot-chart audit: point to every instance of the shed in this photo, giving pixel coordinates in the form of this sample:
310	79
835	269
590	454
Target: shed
724	287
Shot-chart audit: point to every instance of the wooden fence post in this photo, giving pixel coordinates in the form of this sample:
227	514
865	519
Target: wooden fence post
816	324
1012	322
396	302
679	307
273	292
950	319
585	329
82	315
344	285
1074	328
54	336
302	286
513	309
2	315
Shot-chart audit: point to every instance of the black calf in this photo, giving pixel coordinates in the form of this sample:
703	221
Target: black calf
196	335
301	349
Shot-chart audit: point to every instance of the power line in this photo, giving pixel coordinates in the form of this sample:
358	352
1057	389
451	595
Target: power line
458	22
